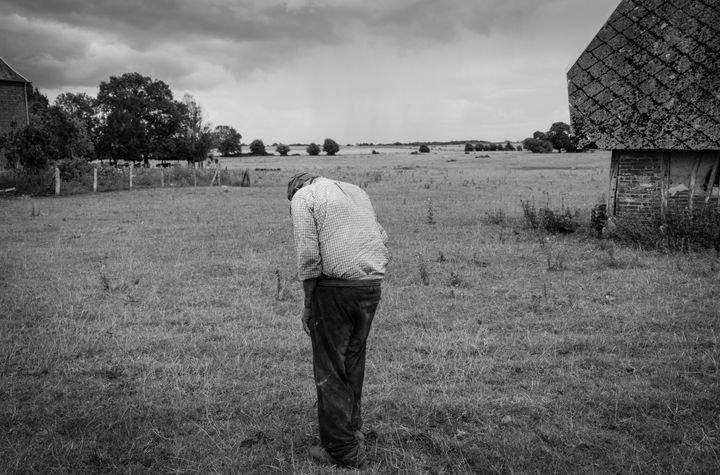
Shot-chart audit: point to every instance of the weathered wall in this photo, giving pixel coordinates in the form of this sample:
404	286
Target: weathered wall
644	183
638	177
12	105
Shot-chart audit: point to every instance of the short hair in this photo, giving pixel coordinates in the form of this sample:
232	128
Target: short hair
297	182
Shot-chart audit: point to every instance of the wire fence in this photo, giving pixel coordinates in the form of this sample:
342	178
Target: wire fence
109	178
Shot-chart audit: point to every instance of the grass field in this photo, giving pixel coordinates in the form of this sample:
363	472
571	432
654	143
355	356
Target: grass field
157	331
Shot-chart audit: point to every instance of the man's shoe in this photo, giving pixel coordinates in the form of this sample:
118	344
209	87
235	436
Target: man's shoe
321	456
367	435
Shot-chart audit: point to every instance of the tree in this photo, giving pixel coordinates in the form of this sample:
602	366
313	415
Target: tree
82	107
538	145
331	147
559	136
313	149
257	147
139	119
282	149
52	135
509	147
424	149
67	135
196	139
227	140
469	148
26	148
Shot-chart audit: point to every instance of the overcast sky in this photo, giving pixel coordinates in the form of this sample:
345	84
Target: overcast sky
302	70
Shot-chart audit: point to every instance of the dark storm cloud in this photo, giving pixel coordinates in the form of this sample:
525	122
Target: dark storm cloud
140	22
44	39
259	60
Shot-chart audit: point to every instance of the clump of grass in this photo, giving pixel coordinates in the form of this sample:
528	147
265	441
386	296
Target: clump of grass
457	281
496	216
430	212
422	269
680	230
546	219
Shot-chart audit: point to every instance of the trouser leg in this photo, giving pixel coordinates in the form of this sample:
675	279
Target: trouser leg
341	321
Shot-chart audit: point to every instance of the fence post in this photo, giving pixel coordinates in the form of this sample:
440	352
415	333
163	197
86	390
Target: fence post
131	174
57	181
94	179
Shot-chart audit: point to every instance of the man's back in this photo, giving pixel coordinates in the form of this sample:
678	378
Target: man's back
337	233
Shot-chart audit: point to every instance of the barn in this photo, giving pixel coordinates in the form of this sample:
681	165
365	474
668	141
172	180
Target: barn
647	87
13	100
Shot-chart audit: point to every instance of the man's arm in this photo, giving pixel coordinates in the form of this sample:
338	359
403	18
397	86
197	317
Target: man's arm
308	254
309	286
305	236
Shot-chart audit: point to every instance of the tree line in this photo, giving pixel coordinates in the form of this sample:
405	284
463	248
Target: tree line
133	118
560	137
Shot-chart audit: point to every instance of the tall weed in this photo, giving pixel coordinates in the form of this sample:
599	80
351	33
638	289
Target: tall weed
680	230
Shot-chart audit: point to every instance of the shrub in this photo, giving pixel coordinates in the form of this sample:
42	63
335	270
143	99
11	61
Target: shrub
424	149
563	221
330	147
536	145
469	147
681	230
282	149
313	149
36	184
479	147
75	169
257	147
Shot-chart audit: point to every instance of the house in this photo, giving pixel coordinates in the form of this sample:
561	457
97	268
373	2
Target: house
648	88
13	100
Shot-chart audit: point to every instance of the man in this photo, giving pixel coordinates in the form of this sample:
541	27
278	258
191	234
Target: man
341	259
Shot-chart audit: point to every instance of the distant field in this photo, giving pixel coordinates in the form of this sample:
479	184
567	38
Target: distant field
157	331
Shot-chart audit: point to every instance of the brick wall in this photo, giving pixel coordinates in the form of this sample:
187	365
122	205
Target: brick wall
639	184
12	105
640	178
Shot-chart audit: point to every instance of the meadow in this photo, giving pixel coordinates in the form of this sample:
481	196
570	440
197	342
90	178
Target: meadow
158	330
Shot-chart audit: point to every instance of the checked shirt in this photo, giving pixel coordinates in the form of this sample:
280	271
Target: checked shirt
336	232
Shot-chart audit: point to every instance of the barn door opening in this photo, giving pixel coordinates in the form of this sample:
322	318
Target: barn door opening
614	175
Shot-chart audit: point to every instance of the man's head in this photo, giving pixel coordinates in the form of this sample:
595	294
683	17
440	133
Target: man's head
297	182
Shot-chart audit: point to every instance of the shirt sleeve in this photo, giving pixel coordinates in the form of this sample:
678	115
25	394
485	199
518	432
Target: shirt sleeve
307	249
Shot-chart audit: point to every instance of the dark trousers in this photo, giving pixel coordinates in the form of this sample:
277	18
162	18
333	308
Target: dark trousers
339	327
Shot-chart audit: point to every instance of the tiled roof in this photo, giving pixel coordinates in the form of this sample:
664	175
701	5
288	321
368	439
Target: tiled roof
650	79
9	74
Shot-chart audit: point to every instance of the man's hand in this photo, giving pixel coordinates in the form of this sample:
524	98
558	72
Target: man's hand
309	289
306	320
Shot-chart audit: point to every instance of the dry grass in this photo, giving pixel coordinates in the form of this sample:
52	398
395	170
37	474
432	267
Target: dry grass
157	331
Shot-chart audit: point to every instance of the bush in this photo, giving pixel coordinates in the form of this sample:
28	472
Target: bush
424	149
554	222
313	149
257	147
282	149
330	147
75	169
680	230
538	145
469	148
36	183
